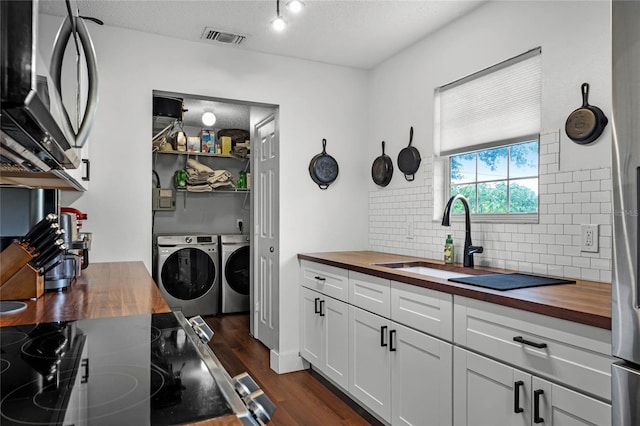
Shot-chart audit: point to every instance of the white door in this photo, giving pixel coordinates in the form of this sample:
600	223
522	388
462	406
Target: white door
421	380
266	200
335	359
559	406
489	393
369	361
311	327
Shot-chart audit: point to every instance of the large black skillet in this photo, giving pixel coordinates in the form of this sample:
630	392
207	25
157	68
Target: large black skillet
382	169
323	168
409	159
586	123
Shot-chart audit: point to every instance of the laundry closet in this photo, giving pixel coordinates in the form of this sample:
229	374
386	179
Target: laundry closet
201	203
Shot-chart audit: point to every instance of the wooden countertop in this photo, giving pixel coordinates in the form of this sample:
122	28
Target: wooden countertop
585	302
111	289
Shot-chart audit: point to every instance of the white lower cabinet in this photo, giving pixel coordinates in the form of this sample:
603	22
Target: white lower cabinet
324	335
400	374
491	393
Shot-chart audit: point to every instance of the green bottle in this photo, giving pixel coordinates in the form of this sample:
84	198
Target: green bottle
448	250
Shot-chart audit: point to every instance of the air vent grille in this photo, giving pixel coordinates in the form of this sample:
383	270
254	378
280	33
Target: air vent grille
221	36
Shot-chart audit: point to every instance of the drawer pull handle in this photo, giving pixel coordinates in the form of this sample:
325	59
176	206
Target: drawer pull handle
516	396
322	308
383	332
520	339
316	309
392	335
536	406
319	278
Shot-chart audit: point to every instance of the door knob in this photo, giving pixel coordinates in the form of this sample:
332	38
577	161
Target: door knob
271	249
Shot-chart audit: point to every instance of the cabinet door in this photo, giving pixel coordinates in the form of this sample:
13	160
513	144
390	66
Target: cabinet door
559	406
311	327
369	358
489	393
421	384
335	351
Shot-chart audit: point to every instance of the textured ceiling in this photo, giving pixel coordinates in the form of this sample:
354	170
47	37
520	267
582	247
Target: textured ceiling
355	33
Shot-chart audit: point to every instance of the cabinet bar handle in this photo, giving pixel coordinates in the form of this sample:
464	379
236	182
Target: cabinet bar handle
316	309
520	339
516	396
85	365
536	406
322	308
319	278
392	334
383	332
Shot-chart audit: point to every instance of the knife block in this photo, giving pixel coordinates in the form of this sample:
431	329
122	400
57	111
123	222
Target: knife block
18	279
27	283
12	259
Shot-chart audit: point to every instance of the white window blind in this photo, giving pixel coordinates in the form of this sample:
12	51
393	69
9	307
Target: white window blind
495	106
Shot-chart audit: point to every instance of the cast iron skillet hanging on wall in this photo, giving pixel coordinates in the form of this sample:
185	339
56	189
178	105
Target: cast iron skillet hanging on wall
585	124
382	169
323	168
409	159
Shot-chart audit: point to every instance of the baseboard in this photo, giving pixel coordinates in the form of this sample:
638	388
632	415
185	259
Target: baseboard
286	362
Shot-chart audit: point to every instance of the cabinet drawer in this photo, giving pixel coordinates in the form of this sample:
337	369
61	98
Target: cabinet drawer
325	279
425	310
574	354
370	293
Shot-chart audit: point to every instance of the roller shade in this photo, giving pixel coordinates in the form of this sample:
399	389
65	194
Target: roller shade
495	106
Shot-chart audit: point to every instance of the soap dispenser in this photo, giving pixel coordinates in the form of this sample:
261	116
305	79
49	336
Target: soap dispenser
448	250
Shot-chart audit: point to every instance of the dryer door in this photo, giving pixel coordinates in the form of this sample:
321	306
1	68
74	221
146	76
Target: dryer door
188	274
236	270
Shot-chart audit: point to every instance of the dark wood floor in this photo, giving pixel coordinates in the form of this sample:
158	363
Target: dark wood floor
300	397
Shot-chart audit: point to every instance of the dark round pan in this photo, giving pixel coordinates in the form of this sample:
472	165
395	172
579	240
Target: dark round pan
382	169
323	168
409	159
585	124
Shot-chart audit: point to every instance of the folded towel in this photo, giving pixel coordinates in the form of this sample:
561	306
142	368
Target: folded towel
198	166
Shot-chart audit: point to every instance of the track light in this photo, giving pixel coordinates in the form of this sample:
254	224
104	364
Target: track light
295	6
278	23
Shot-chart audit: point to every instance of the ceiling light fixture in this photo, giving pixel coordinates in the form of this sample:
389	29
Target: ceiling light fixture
295	6
208	118
278	23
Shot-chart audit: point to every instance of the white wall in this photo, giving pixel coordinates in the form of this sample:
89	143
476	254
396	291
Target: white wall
316	101
575	179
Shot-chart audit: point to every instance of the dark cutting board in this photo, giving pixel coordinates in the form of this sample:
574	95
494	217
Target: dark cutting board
509	281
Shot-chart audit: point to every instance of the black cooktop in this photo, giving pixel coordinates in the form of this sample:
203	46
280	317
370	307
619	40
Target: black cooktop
138	370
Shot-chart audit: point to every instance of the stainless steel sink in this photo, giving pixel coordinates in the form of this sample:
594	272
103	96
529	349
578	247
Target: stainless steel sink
425	268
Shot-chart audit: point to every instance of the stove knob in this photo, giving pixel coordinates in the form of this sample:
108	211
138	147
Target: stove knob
260	406
188	240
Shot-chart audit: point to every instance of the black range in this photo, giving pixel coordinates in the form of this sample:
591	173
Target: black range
143	369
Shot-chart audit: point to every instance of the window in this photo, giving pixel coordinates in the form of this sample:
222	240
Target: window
486	126
501	180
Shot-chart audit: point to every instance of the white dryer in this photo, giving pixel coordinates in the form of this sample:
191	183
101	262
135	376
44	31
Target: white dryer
188	273
236	281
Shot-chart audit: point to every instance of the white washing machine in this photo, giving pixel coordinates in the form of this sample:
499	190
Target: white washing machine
235	280
188	272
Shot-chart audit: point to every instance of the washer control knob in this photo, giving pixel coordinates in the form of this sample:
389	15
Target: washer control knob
188	240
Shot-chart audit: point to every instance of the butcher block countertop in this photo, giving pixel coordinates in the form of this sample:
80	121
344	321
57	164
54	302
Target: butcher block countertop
585	302
112	289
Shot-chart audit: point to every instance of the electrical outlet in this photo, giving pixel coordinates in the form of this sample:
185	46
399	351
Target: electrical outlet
589	238
409	228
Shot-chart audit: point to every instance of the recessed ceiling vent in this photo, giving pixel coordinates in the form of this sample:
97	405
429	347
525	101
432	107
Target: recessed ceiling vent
221	36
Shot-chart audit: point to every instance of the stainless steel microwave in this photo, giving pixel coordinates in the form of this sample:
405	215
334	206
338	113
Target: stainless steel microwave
37	134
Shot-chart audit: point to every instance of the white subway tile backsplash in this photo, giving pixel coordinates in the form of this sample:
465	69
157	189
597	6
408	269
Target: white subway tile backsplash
549	247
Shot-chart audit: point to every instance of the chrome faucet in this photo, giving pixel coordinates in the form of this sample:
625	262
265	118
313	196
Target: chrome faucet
469	249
